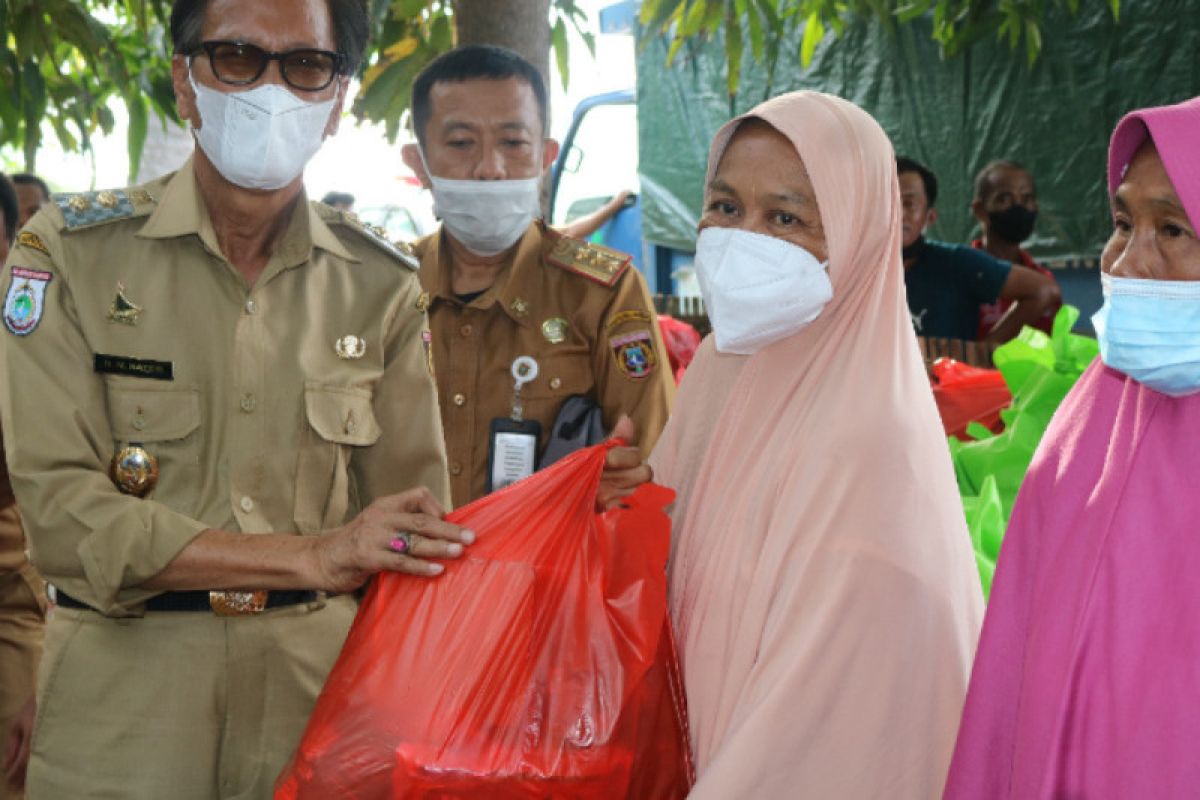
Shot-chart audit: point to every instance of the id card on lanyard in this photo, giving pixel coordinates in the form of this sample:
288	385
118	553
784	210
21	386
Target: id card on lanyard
513	441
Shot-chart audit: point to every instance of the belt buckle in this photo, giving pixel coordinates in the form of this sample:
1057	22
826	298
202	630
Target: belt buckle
238	604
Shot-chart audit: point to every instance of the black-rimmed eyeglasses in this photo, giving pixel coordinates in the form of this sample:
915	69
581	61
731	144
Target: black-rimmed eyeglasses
239	64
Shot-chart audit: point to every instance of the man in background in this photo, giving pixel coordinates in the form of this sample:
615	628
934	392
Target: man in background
502	286
32	194
342	201
1006	206
946	283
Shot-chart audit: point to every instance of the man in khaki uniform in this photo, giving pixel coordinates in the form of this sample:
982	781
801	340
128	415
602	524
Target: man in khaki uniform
502	285
22	594
216	408
22	619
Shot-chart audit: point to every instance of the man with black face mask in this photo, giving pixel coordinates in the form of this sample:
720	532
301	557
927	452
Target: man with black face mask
946	283
1005	203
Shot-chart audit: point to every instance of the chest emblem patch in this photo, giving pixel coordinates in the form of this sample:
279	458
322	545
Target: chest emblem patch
634	353
350	347
26	300
555	330
123	309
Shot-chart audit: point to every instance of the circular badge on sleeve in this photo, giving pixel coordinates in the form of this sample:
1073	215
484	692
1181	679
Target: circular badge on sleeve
26	300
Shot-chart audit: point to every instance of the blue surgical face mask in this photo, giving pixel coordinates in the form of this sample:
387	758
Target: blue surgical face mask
1150	330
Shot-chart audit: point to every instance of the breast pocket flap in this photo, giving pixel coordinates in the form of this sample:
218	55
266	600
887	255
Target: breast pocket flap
153	415
342	414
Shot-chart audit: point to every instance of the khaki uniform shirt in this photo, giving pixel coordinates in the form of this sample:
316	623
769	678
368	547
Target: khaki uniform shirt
580	310
12	538
126	324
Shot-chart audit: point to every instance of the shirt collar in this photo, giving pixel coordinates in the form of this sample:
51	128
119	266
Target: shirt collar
515	284
180	212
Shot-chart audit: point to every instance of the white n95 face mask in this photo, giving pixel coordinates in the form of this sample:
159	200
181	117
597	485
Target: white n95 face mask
757	289
486	217
261	138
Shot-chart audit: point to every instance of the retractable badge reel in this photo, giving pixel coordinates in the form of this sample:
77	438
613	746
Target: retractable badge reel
512	453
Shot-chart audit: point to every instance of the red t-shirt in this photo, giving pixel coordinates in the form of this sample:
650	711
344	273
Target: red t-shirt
990	313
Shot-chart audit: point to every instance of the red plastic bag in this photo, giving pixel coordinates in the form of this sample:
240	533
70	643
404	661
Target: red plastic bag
540	665
966	394
681	340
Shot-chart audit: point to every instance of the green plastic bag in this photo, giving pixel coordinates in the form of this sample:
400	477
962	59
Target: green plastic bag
1039	371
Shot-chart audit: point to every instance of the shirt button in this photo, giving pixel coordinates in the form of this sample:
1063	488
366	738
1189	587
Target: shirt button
139	420
351	425
555	383
247	504
251	306
455	468
465	330
248	402
459	399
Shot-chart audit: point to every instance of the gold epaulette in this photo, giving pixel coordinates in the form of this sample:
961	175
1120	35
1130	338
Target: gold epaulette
85	209
595	262
374	234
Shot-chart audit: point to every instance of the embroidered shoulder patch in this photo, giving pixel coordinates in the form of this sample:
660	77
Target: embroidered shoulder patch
595	262
634	353
32	241
26	300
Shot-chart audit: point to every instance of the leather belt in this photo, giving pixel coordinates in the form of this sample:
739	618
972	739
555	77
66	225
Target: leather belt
197	600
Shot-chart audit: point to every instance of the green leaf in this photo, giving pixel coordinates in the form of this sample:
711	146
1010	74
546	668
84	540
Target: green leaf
1033	40
558	40
733	51
135	142
714	13
814	32
654	13
910	11
755	24
693	20
408	8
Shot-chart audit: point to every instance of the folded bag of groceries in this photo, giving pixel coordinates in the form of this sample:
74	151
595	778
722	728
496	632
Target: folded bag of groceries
539	665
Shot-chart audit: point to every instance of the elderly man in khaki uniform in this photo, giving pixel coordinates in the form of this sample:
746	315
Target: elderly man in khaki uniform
217	409
502	286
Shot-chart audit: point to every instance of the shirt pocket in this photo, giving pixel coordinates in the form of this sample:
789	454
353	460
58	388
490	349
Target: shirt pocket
560	375
166	423
337	419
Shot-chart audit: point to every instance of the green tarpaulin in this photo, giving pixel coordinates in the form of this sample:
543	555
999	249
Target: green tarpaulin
954	115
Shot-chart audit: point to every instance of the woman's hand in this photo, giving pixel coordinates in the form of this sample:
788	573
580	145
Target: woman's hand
624	469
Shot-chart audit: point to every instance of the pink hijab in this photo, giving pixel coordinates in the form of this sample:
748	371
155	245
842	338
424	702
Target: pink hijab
1088	674
822	580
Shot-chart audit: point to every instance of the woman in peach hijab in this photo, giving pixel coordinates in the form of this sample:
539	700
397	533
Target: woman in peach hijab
822	581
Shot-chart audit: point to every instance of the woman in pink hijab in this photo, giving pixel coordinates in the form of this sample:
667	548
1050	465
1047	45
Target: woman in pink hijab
822	581
1087	682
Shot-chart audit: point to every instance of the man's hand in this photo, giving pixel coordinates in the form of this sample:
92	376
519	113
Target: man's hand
17	742
1034	294
371	542
624	469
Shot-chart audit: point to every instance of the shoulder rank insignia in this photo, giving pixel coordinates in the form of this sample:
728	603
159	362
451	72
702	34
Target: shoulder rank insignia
378	237
595	262
92	208
32	241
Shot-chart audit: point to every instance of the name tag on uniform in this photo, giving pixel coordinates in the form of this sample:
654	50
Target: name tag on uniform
134	367
512	451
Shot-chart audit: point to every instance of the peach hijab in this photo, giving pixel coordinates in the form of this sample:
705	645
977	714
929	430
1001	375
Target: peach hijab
822	580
